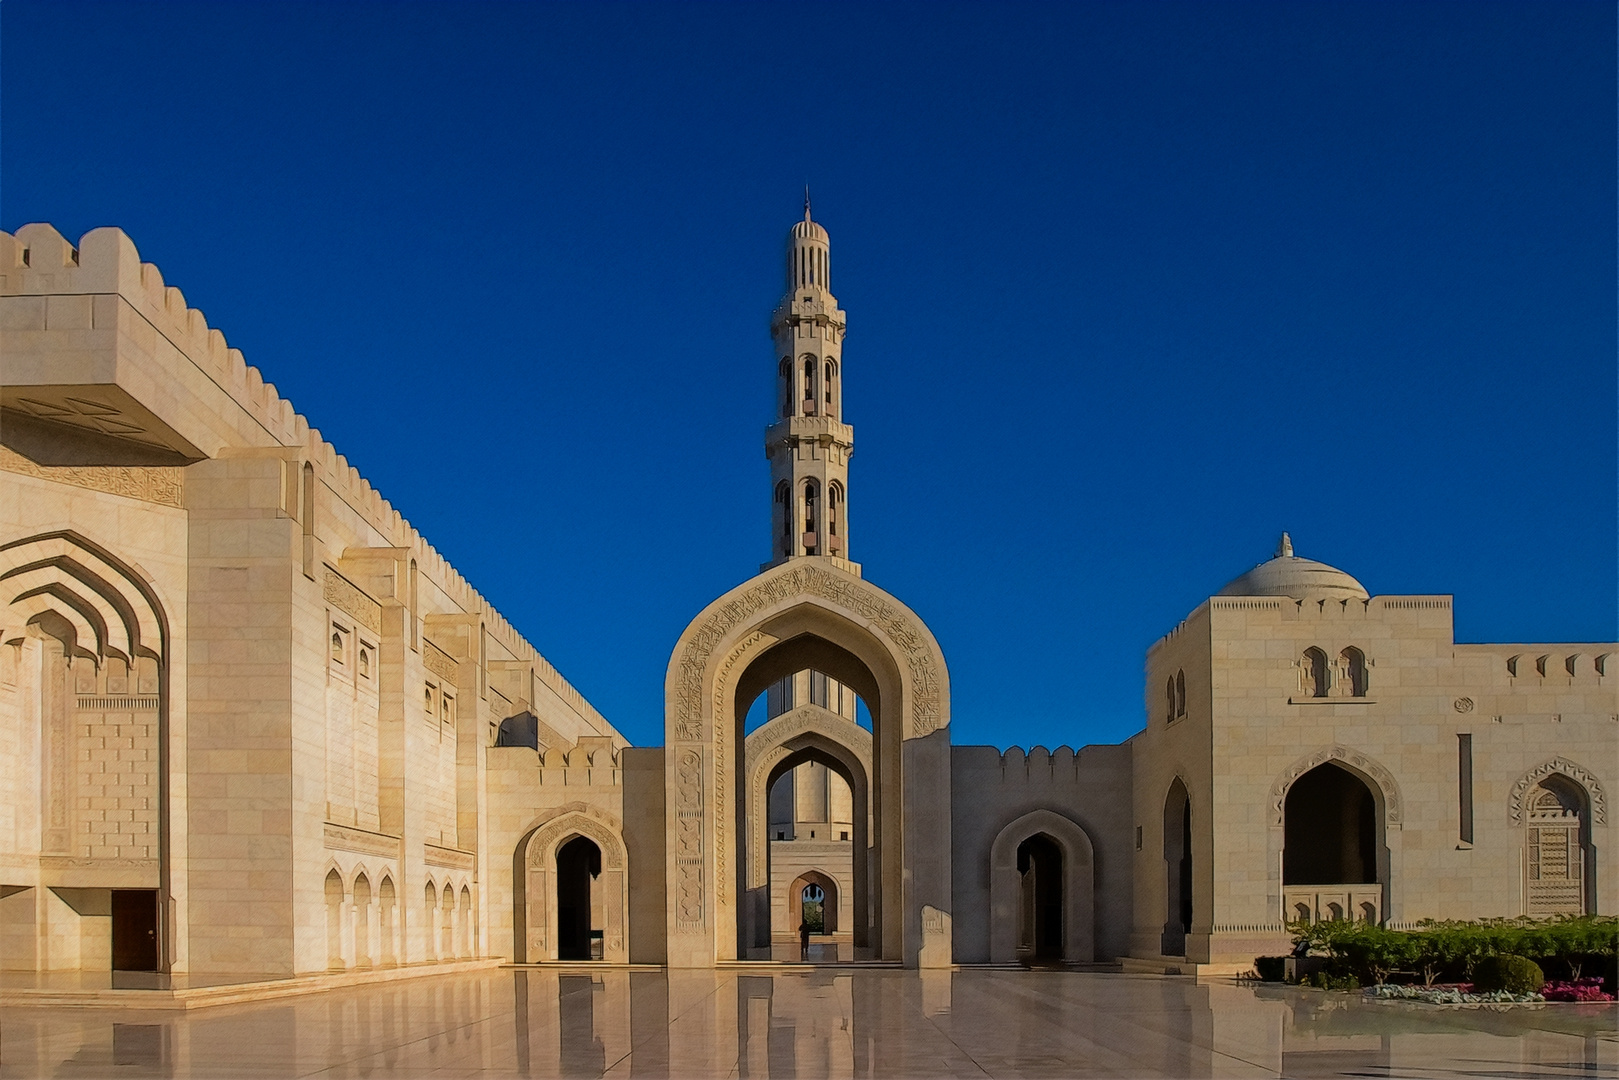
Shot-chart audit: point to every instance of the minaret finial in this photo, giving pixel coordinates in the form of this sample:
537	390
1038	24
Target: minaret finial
1284	550
806	202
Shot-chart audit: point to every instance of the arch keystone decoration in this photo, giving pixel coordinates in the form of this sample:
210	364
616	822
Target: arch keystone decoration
1382	781
1581	776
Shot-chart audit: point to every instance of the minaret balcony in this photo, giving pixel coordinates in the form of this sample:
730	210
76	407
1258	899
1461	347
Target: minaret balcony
820	428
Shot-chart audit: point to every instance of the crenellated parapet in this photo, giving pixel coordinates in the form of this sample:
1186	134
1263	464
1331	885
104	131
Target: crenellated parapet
91	314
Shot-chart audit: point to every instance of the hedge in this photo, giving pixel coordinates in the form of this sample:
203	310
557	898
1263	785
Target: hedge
1453	949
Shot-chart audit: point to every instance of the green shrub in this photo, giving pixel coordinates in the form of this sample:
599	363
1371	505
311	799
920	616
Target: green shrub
1328	980
1514	974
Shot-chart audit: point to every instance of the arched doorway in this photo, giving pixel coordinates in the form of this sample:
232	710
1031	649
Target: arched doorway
808	734
812	898
1330	829
1335	819
1178	869
579	868
1042	883
807	615
570	888
1040	873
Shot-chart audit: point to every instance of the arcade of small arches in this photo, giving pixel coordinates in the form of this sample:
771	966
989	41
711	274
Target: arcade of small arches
809	388
800	515
368	926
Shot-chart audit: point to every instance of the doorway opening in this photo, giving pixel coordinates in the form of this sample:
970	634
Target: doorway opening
812	904
579	900
134	929
1040	913
1178	867
1330	829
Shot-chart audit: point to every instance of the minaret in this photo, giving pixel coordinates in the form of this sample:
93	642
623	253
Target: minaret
808	444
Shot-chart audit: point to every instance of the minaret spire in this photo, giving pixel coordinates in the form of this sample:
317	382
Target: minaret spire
808	444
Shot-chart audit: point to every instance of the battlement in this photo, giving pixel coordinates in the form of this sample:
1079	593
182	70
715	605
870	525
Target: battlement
39	264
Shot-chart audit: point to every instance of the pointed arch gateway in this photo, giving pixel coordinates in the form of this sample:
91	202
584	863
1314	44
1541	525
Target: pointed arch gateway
807	614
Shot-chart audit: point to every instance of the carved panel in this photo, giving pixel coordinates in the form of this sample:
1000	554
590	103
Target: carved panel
344	595
1592	786
345	838
1354	758
449	858
153	484
689	901
439	662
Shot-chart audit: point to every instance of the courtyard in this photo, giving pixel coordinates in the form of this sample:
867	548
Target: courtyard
780	1021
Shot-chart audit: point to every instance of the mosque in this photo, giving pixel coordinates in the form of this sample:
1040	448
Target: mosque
254	723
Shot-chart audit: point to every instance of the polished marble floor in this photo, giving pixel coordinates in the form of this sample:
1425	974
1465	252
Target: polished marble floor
824	1022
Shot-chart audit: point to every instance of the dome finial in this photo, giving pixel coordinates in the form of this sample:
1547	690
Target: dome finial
806	203
1284	550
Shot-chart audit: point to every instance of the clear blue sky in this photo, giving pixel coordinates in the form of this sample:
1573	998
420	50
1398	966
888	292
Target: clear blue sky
1131	288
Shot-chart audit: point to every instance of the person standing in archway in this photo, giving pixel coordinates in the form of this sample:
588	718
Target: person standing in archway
803	939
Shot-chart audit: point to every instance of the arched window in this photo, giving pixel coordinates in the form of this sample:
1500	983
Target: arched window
1169	699
1315	672
785	378
337	646
1330	834
1178	864
1354	662
834	516
784	501
831	373
812	508
1180	693
809	386
365	663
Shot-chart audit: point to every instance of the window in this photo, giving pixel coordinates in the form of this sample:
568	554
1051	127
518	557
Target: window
785	378
809	386
1169	699
1464	787
782	500
843	834
812	498
1180	694
337	645
1314	666
1354	664
446	709
831	370
365	662
834	511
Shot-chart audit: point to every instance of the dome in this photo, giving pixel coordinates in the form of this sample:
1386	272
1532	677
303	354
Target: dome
809	230
1302	579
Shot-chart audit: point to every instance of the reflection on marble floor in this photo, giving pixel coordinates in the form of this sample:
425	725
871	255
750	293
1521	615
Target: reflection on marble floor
828	1022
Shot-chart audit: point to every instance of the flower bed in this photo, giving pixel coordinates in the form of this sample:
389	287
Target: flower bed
1575	990
1461	994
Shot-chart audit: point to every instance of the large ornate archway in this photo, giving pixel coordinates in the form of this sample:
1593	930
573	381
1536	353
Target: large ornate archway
807	613
1382	900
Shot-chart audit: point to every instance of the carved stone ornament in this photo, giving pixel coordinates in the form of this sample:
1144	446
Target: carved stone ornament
577	819
689	905
1592	786
1463	704
344	595
810	581
1353	758
439	662
154	484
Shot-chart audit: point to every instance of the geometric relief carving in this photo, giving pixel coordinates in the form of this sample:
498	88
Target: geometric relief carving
1380	776
344	595
1593	788
816	582
689	902
577	819
439	662
153	484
